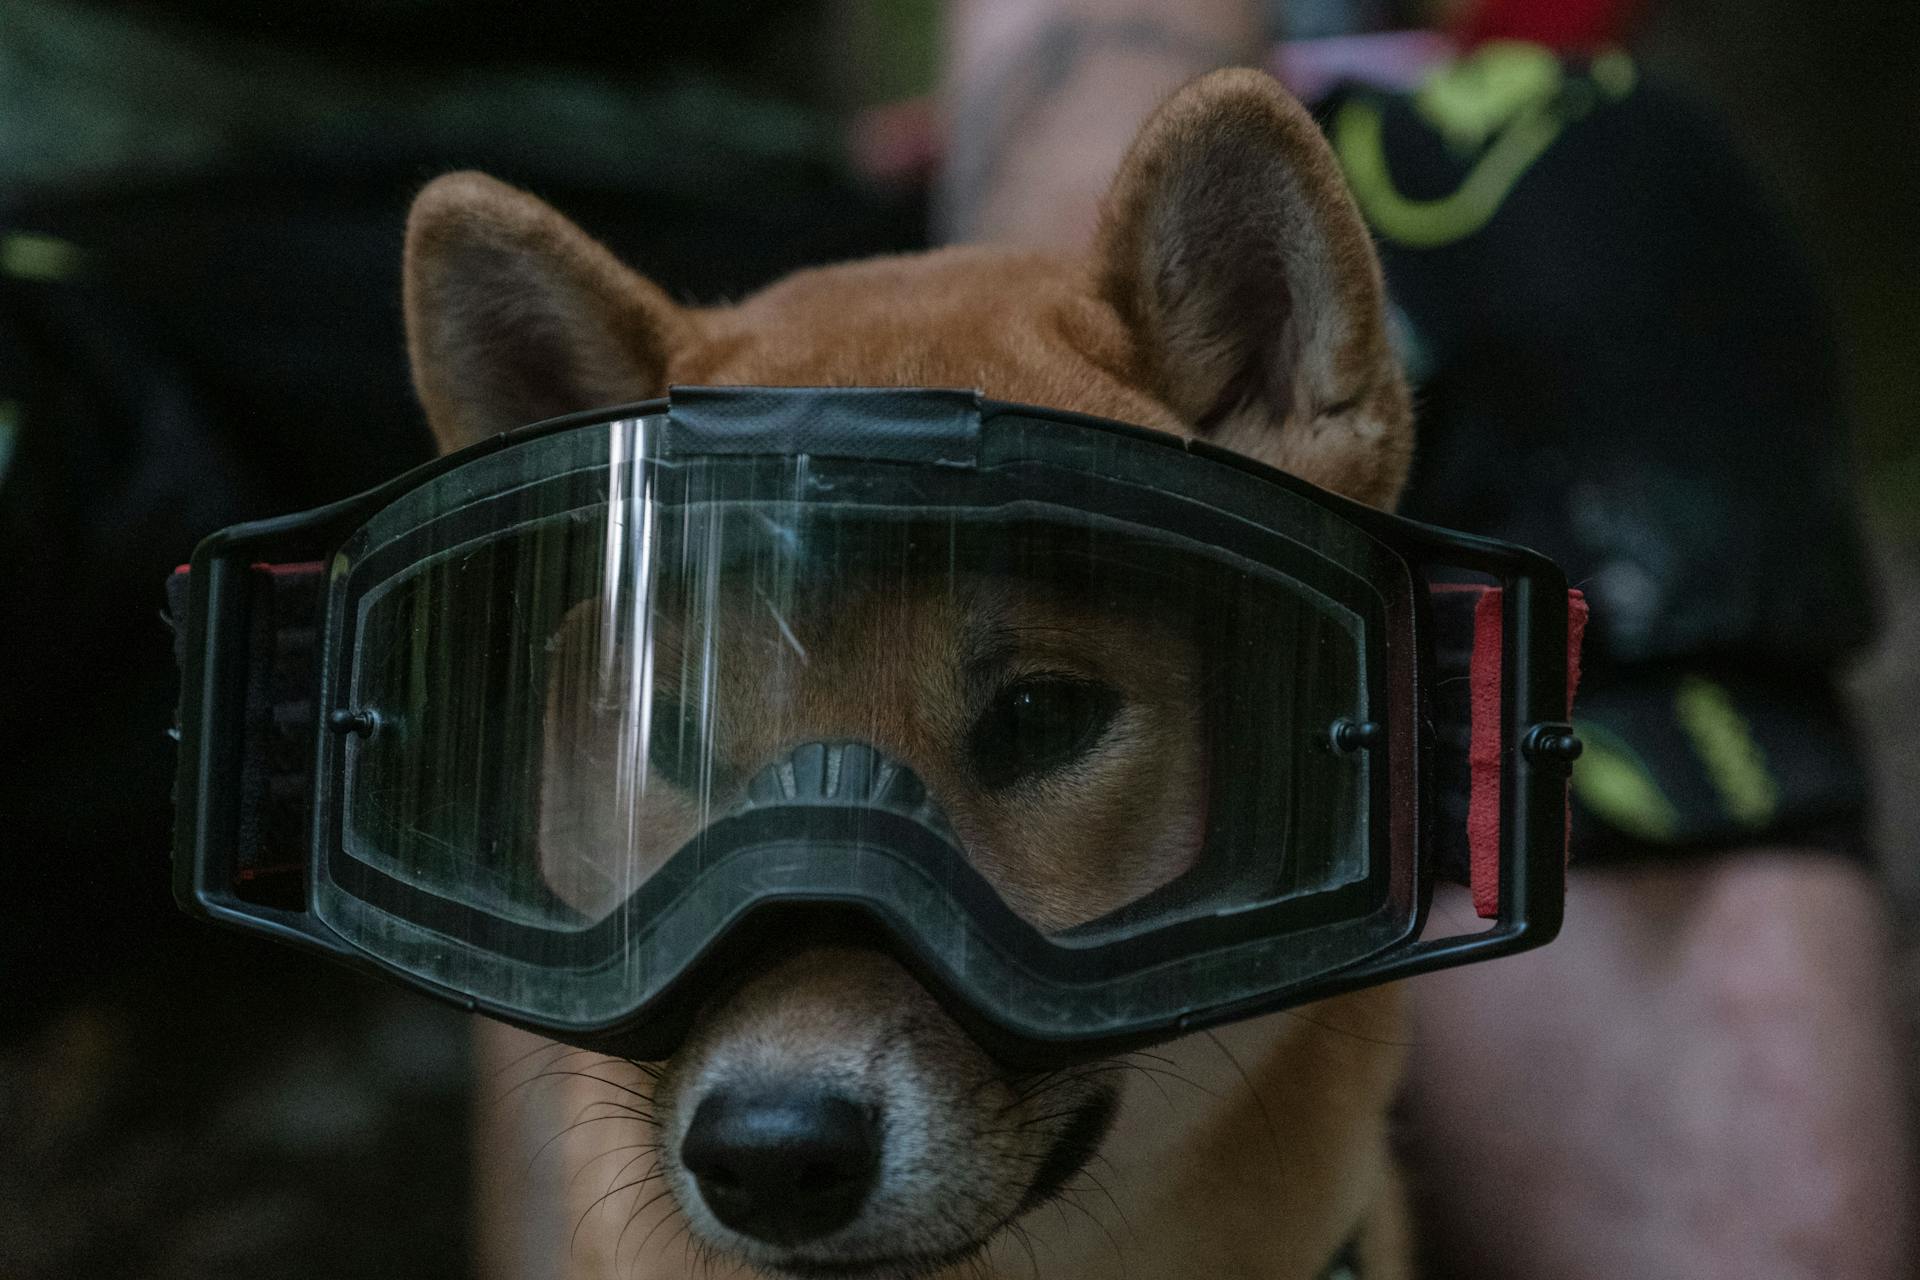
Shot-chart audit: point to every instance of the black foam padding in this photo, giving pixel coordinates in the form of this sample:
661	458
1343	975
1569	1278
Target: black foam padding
276	772
1450	703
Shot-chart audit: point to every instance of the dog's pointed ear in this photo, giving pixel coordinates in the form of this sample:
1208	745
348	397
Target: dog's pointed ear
514	314
1230	246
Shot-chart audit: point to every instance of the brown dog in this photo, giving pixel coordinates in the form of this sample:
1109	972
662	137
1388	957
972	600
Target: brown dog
1233	294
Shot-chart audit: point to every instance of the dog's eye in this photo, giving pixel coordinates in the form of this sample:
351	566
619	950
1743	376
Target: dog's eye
1035	726
676	747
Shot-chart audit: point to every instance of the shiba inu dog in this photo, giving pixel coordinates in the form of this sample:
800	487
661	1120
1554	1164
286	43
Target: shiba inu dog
1232	295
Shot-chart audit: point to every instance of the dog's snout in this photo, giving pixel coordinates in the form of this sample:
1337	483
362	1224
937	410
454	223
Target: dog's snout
782	1164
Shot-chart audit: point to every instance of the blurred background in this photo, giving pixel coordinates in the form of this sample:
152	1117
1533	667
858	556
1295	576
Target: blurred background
201	205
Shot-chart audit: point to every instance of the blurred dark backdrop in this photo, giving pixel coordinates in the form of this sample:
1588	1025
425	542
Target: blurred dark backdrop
201	207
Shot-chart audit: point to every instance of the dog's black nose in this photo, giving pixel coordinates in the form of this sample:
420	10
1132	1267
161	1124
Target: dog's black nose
782	1164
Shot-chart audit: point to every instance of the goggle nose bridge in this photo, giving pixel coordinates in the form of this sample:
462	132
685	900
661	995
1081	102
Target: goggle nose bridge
844	774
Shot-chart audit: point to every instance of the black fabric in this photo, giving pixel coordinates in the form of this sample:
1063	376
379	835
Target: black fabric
276	782
742	37
1737	752
1628	369
1450	704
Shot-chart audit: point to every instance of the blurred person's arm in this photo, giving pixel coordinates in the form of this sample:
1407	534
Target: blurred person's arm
1043	96
1703	1077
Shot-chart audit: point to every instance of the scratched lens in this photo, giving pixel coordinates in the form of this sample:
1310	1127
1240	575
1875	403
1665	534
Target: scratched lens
566	703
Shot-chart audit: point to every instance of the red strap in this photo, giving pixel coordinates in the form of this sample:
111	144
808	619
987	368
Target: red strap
1483	755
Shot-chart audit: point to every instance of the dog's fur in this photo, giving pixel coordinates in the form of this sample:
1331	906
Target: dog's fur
1233	295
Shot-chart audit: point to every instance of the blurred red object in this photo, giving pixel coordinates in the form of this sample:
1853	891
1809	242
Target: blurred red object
1567	25
898	142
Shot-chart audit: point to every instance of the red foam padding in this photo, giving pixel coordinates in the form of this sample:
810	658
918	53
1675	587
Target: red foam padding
304	566
1483	752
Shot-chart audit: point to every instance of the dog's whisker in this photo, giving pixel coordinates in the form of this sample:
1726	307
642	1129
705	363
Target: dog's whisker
1081	1075
1259	1100
1159	1073
1025	1239
1160	1065
1036	1160
1151	1079
546	1071
1101	1187
541	1150
645	1149
613	1112
1348	1034
641	1094
573	1242
1026	1088
1069	1113
652	1175
652	1070
614	1105
1059	1079
663	1220
1150	1056
549	1046
1068	1197
666	1194
704	1256
683	1232
985	1082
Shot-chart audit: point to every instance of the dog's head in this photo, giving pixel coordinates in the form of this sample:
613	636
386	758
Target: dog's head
826	1117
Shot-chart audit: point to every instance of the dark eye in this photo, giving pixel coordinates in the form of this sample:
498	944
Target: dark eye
676	747
1037	725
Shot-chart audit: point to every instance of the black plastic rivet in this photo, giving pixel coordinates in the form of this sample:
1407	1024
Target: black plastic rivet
1552	743
1350	735
345	720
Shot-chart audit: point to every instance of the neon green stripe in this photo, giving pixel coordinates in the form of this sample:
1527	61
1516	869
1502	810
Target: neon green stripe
1510	98
1471	100
1616	786
1615	73
1358	138
1735	763
26	256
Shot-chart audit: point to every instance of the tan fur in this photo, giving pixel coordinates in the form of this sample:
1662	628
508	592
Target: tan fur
894	670
1233	294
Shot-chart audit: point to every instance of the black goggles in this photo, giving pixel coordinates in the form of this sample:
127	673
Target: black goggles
1104	734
